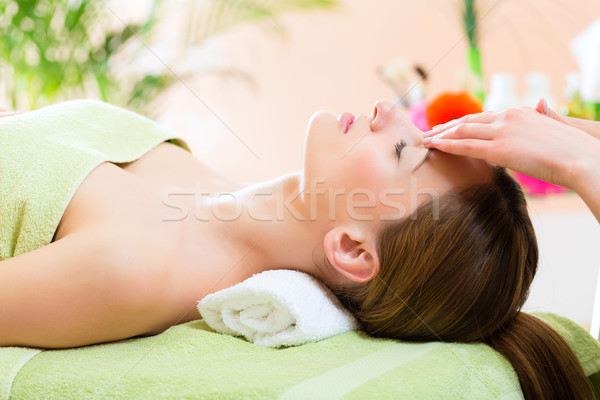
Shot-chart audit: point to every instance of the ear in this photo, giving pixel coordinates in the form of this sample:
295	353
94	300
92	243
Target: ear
352	253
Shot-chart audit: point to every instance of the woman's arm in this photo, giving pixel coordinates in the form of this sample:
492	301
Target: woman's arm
77	291
586	180
587	172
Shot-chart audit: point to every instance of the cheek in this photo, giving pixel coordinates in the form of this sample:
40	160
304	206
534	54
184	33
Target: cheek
388	182
368	171
377	188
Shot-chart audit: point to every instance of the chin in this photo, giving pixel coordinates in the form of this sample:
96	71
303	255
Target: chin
322	145
323	131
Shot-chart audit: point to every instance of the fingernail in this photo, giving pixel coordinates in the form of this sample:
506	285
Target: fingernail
426	140
546	107
436	141
434	130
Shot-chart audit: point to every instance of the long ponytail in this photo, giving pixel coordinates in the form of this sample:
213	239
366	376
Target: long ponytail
545	364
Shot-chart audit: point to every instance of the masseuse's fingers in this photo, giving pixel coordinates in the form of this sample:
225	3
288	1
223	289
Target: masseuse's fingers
464	131
474	148
543	108
524	140
480	118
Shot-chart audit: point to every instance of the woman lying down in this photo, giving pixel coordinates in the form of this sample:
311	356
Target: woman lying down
112	229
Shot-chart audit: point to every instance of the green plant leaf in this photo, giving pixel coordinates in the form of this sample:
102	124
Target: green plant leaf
54	49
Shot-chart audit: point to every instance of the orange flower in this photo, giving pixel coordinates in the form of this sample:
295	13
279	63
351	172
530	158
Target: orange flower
449	106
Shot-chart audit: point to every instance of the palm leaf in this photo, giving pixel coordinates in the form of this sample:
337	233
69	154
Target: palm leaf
55	60
208	19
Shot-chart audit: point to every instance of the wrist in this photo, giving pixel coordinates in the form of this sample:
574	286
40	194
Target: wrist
585	170
590	127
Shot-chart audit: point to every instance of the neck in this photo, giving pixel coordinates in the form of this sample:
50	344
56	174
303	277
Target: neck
265	226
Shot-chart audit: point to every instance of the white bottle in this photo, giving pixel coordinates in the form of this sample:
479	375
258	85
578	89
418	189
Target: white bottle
503	93
537	84
573	84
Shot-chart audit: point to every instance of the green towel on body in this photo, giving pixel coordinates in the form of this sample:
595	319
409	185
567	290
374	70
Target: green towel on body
190	361
45	155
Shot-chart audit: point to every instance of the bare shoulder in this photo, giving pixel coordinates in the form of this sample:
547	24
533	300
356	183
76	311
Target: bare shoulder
92	286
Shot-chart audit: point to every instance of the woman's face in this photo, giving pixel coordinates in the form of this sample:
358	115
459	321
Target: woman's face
358	175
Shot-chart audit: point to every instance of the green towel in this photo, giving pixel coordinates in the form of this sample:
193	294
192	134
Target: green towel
190	361
45	155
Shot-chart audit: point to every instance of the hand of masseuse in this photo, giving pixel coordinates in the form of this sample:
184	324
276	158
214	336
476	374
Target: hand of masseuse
536	142
591	127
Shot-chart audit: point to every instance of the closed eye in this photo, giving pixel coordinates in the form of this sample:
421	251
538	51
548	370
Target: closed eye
398	148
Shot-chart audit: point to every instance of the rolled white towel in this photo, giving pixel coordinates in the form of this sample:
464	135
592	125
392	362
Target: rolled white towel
277	308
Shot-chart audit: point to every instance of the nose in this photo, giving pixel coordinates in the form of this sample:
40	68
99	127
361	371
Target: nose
384	113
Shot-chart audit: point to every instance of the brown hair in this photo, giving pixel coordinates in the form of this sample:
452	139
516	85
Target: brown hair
462	275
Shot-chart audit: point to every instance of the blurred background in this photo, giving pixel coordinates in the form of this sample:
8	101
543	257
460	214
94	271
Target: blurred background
239	81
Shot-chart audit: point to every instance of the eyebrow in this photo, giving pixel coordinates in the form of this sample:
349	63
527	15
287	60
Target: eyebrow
422	161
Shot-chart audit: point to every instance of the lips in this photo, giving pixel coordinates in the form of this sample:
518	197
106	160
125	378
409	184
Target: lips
346	119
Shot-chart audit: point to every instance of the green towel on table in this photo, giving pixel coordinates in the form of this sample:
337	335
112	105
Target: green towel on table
190	361
45	154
